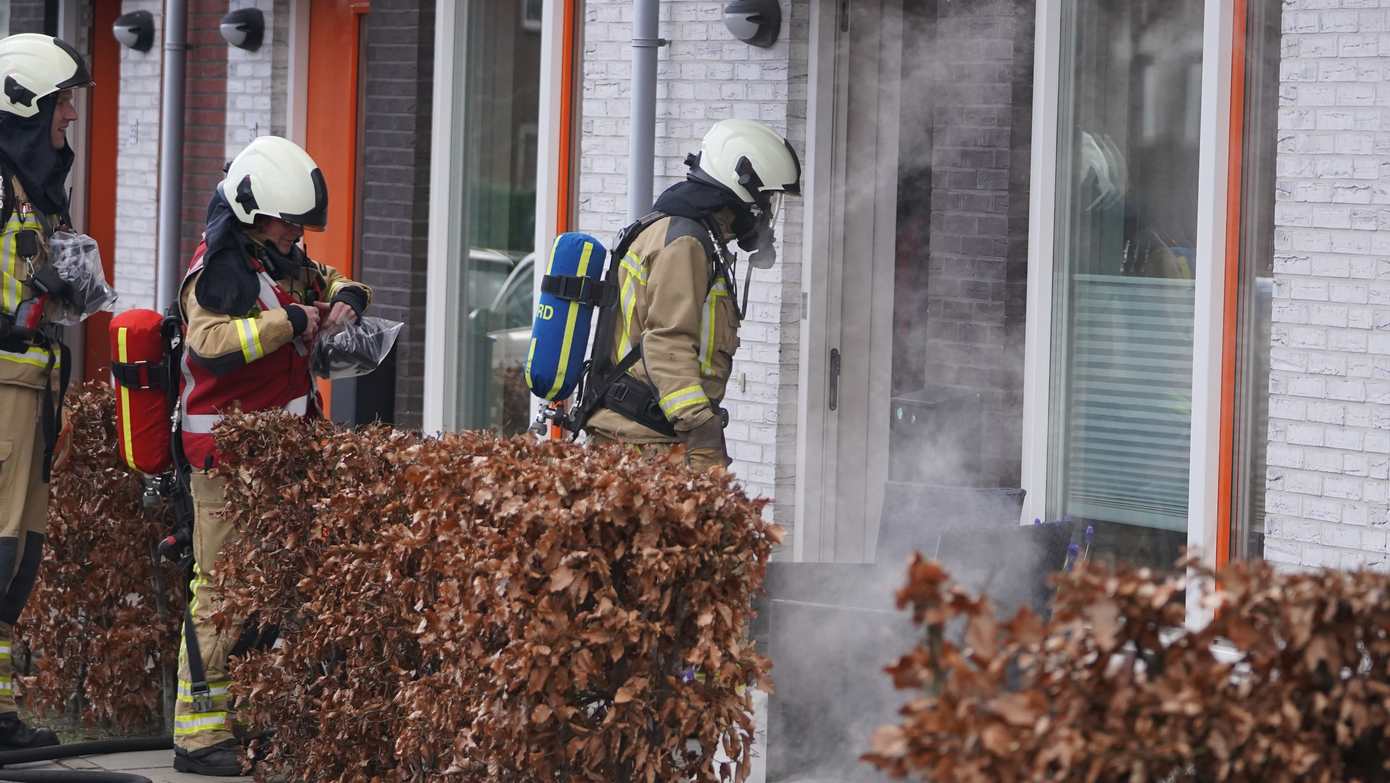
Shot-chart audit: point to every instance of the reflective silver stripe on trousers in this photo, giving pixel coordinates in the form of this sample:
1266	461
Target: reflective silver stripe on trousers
202	423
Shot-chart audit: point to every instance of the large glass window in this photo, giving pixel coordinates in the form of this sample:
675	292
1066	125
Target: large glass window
961	262
1125	270
501	110
1256	284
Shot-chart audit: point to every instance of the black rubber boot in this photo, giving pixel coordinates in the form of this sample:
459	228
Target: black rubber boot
14	735
222	760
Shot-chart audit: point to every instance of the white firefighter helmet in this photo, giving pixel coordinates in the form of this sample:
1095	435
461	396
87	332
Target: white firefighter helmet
751	160
34	66
275	178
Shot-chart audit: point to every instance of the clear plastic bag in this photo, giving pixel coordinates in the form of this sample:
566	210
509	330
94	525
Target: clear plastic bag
354	349
76	260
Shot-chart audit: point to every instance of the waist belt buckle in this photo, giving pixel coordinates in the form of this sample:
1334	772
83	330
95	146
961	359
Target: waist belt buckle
202	698
723	416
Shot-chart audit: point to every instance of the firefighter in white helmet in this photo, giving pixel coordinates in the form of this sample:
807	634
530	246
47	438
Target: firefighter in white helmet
38	75
678	309
251	304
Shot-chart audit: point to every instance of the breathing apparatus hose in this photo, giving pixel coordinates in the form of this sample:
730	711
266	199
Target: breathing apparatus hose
99	747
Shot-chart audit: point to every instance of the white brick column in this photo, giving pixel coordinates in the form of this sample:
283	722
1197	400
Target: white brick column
258	82
705	75
137	166
1329	432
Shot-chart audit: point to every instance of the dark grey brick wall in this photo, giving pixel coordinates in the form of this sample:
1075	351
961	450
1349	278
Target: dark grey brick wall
395	181
205	119
963	249
27	16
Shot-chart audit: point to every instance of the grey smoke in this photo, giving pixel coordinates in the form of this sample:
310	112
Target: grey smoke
965	107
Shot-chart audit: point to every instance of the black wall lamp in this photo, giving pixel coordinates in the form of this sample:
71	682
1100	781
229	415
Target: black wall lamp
135	30
244	28
755	22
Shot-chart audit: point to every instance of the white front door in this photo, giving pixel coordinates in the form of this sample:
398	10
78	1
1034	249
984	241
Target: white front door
855	159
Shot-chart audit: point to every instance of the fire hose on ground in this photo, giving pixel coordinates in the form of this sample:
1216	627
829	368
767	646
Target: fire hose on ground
100	747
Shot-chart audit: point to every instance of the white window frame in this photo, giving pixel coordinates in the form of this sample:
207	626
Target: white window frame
445	286
814	467
1212	192
297	94
1204	479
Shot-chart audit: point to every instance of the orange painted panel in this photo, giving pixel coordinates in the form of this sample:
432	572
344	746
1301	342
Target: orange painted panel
1231	316
331	133
331	127
101	173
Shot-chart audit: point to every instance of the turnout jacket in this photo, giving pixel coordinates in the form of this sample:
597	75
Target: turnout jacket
673	300
22	362
252	358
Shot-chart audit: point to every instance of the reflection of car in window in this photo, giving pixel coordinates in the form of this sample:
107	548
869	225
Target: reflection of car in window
500	301
509	317
488	273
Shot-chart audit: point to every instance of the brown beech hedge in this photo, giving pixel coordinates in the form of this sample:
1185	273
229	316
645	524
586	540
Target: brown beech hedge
1111	688
470	608
102	624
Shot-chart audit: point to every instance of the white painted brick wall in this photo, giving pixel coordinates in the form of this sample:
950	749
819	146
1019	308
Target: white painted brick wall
1329	453
706	75
258	82
137	166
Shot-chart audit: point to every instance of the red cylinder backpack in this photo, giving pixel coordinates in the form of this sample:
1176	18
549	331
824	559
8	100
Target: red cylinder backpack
146	388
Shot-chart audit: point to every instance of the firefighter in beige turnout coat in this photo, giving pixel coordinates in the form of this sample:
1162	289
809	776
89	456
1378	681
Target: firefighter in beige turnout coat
677	294
252	302
39	74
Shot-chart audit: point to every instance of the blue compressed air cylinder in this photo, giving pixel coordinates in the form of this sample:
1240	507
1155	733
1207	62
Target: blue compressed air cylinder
560	330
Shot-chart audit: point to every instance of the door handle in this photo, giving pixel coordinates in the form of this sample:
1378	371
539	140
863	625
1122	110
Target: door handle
834	378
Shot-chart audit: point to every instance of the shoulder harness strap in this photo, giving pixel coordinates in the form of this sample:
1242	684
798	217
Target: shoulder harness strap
7	198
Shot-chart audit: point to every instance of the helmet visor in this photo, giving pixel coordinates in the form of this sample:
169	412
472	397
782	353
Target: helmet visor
774	205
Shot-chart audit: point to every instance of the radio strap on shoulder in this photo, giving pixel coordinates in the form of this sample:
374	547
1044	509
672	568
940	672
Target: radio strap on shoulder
7	197
52	414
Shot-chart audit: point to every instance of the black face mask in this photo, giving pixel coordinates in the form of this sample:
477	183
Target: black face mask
26	148
760	241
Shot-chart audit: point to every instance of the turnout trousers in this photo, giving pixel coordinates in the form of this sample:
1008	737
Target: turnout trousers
23	517
197	726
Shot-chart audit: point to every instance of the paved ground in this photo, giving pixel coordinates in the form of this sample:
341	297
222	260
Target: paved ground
157	765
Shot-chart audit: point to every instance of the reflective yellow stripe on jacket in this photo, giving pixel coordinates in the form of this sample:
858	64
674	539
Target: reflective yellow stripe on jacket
10	291
711	318
11	286
12	294
36	356
680	399
632	265
250	334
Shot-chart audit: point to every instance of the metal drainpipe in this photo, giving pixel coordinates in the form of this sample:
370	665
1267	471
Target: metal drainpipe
171	151
642	150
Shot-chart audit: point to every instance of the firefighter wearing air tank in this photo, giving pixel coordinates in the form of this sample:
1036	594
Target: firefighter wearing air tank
251	303
678	308
38	75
